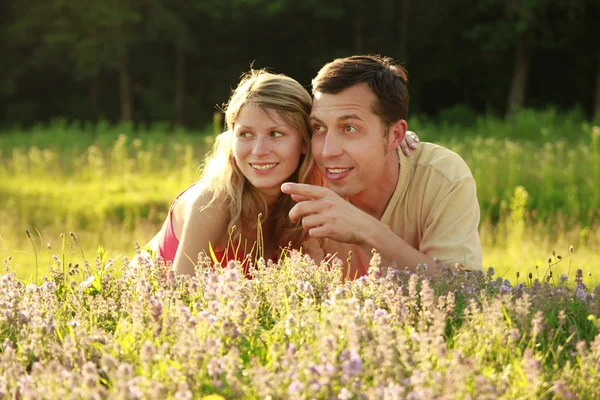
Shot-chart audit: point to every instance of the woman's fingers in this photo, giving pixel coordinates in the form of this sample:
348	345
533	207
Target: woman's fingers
409	143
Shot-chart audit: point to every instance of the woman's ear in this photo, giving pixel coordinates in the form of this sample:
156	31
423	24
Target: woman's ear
304	148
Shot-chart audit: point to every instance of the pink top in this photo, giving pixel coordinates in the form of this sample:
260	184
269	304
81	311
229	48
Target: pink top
168	244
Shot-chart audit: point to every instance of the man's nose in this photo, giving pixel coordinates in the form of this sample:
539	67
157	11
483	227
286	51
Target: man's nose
332	145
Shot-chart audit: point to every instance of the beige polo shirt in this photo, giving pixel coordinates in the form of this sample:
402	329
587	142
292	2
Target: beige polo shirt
434	208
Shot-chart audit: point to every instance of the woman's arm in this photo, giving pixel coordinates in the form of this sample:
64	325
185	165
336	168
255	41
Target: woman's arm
200	225
153	245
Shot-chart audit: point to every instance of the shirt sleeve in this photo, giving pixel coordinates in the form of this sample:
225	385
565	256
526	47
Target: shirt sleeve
451	232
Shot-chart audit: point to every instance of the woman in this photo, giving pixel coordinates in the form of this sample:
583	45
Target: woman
237	209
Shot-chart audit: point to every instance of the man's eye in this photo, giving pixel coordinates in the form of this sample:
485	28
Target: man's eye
350	128
276	134
317	128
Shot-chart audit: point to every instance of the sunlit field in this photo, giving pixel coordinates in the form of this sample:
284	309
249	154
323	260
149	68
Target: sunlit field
79	319
111	186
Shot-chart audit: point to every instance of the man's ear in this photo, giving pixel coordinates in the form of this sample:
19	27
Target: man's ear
397	133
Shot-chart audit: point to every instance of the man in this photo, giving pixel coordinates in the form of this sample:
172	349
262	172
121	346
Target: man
413	210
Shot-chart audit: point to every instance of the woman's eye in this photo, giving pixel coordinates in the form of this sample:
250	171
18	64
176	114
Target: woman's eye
276	134
350	128
245	134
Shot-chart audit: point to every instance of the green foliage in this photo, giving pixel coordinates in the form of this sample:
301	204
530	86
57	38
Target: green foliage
118	174
78	58
113	185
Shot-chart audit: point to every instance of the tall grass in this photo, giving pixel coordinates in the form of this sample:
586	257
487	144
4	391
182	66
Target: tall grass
537	181
79	321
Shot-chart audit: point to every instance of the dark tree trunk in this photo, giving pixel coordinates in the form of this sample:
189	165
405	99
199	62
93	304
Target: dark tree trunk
404	15
357	28
518	87
597	102
125	89
318	44
94	96
179	86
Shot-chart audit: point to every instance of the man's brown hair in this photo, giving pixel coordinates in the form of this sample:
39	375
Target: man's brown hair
385	78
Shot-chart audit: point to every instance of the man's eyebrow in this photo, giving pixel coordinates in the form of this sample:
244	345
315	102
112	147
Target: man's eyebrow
349	116
341	118
270	128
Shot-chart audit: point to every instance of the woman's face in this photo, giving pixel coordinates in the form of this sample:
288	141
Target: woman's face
266	149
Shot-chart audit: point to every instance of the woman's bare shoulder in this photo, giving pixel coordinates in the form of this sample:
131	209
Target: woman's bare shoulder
204	223
200	201
195	206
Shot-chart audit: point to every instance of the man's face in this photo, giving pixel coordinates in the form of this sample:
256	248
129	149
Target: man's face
348	141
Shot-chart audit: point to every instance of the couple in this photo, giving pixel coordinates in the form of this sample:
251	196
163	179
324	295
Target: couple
326	174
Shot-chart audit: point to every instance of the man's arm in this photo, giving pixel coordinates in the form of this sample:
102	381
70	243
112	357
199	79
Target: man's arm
392	249
451	230
325	214
450	233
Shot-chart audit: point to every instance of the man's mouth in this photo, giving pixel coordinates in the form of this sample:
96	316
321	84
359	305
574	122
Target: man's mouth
336	171
263	167
337	174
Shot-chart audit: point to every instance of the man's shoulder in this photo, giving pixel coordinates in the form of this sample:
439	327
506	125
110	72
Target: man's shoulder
441	161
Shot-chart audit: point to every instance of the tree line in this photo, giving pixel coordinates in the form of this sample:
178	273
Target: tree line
175	60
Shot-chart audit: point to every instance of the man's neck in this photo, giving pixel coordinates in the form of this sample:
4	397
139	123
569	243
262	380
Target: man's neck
375	198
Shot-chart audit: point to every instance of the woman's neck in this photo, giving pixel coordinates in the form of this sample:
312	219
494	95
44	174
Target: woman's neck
270	198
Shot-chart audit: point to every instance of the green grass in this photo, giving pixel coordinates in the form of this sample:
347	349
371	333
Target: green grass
80	320
112	185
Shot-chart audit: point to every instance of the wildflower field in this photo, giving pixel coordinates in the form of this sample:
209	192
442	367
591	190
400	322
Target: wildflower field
79	320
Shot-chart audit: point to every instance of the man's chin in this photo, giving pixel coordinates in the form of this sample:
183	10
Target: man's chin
342	190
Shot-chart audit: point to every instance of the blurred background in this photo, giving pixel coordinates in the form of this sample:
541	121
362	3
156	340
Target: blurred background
174	60
107	109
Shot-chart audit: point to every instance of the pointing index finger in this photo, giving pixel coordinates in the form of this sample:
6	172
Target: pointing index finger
302	189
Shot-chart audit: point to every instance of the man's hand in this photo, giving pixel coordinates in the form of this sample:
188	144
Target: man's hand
325	214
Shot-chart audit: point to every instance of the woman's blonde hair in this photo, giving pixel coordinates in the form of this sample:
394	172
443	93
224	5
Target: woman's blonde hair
292	102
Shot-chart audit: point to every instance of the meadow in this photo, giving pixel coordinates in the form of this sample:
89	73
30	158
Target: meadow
112	185
78	319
